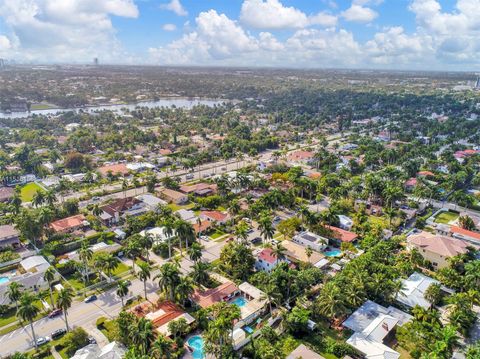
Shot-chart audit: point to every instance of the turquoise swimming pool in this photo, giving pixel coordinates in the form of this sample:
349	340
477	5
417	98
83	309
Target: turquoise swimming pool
196	343
4	280
239	302
333	253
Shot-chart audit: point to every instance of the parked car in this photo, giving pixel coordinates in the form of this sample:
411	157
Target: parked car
92	298
54	313
92	340
58	333
42	341
204	238
224	168
189	176
256	240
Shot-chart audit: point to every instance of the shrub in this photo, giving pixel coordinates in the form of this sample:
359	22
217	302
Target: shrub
74	340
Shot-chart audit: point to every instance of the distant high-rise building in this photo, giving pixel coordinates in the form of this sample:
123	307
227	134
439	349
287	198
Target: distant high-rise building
95	61
477	85
2	64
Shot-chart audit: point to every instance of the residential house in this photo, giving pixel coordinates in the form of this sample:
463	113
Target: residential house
9	237
345	222
297	253
158	234
199	189
312	240
151	201
214	217
121	208
339	236
300	156
414	288
69	224
172	196
118	169
302	352
436	249
223	293
165	313
267	260
471	237
373	326
202	226
410	184
112	350
187	215
253	302
6	194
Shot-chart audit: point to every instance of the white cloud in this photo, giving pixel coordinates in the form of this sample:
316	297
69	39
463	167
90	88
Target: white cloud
269	42
359	13
271	14
74	30
323	19
176	7
4	43
169	27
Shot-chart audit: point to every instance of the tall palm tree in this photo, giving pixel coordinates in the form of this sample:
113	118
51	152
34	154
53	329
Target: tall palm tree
14	293
169	231
279	251
184	289
64	302
185	232
331	302
49	276
133	250
50	198
266	227
122	290
27	311
146	243
168	279
144	274
272	295
110	264
162	348
200	273
142	334
195	252
38	198
241	231
85	254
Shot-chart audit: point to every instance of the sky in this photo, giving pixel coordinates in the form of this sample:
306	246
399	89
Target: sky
377	34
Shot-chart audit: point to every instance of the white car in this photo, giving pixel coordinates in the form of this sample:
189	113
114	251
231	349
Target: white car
42	341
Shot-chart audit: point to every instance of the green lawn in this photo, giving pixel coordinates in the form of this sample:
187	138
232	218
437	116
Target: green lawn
380	221
27	191
41	106
446	217
217	234
122	268
176	207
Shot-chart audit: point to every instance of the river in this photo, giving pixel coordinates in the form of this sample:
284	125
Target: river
180	102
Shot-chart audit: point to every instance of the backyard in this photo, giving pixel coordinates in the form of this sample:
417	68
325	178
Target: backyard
446	217
28	190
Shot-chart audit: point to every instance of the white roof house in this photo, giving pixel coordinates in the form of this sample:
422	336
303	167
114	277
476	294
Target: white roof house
187	215
151	201
158	234
371	348
112	350
345	222
414	290
35	264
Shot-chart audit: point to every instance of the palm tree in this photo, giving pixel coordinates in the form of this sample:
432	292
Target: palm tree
142	334
38	198
272	295
200	273
122	290
14	293
64	302
85	254
168	231
133	250
472	274
184	289
146	243
279	251
144	274
195	252
308	253
185	232
110	264
266	227
50	198
241	231
27	311
96	210
168	279
162	348
49	276
331	302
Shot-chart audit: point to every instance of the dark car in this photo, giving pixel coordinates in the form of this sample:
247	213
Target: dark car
92	298
92	340
256	240
54	313
58	333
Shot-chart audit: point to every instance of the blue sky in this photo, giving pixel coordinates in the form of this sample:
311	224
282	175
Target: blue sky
396	34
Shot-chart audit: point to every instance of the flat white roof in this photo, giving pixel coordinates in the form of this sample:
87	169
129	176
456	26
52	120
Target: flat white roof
371	348
414	290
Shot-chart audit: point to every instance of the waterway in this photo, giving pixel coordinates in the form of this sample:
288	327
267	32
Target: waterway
180	102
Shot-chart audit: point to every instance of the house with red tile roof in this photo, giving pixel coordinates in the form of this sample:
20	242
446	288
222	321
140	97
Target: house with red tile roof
267	260
466	235
425	174
164	314
120	208
437	249
202	227
199	189
410	183
118	169
300	156
172	196
339	235
206	298
69	224
214	217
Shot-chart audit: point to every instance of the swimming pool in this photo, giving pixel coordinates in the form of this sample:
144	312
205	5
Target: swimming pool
196	343
4	280
239	302
333	253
